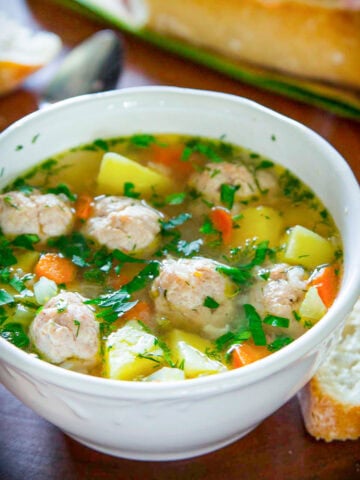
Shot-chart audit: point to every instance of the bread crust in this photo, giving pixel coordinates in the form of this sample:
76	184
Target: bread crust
300	39
325	418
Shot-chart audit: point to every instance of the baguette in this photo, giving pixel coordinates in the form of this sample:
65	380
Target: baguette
330	402
311	39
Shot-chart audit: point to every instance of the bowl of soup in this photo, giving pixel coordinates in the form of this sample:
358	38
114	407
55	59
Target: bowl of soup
175	265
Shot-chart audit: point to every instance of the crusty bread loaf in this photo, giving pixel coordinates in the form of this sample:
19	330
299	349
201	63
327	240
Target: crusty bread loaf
307	38
330	402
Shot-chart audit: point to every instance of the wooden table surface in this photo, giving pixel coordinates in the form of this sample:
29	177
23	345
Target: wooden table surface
33	449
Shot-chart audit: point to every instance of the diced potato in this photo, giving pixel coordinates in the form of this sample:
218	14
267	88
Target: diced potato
131	353
312	307
27	261
116	170
166	374
259	223
307	248
196	363
176	336
23	315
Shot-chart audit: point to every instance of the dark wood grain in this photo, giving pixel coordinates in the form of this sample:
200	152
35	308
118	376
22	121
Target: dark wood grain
33	449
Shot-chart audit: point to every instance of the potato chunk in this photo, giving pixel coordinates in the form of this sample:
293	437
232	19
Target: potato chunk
312	307
131	353
307	248
196	363
116	170
258	223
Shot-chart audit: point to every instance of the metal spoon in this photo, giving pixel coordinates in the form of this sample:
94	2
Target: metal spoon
93	66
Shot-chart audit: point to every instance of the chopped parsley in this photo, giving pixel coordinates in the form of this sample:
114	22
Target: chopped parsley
255	324
209	302
78	325
5	297
26	240
227	194
276	321
15	334
175	198
101	144
175	221
279	343
142	140
129	190
62	189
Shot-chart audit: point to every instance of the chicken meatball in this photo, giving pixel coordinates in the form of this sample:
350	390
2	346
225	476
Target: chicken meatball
191	294
209	181
281	295
126	224
45	215
66	328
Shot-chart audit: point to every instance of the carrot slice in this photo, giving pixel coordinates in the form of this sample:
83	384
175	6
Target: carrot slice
222	221
116	281
247	353
83	207
170	156
56	268
327	284
141	311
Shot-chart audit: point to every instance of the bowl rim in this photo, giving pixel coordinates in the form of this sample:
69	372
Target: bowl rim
231	379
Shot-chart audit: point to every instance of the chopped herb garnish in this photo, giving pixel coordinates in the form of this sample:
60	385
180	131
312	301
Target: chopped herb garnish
255	324
264	164
276	321
145	276
19	147
195	146
15	334
62	189
5	297
101	144
227	194
129	190
77	324
142	140
175	198
296	316
238	275
35	137
175	221
209	302
189	248
232	338
26	240
47	165
207	227
279	343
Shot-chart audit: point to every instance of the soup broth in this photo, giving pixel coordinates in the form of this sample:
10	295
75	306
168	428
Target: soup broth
162	258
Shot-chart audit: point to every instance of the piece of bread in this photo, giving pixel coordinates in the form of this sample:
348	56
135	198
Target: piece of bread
330	402
314	39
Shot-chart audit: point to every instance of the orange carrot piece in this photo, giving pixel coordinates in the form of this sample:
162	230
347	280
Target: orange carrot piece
170	156
83	207
141	311
116	281
327	284
247	353
56	268
222	221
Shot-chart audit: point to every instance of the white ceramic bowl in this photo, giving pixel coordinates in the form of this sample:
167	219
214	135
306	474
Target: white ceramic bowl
178	420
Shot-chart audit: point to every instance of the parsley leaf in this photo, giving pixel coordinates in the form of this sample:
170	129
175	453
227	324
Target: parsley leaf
227	194
209	302
279	343
255	324
129	190
26	240
276	321
142	140
175	221
64	189
15	334
5	297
